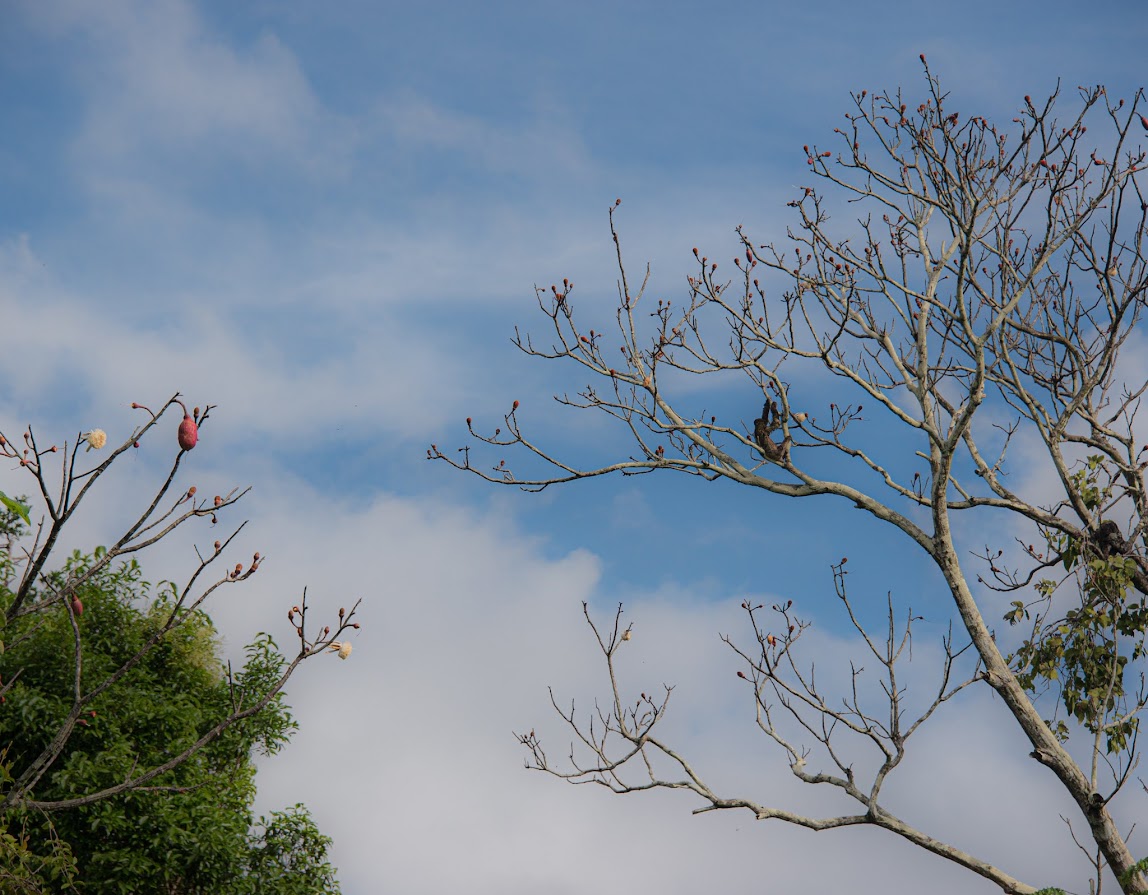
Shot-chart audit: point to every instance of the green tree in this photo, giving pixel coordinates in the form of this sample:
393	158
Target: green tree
948	287
128	746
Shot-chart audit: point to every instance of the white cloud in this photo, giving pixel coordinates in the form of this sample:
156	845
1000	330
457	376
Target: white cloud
409	755
376	377
159	81
544	147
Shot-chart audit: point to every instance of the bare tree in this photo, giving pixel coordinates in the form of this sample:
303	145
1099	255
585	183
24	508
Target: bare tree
999	269
30	590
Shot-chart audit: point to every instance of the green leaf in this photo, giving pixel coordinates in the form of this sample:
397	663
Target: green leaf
16	507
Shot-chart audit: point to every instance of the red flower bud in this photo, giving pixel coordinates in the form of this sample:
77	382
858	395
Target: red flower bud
188	433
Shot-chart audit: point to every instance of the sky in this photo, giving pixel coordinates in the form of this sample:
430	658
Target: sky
327	219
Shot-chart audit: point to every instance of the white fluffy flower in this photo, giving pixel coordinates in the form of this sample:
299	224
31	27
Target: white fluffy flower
344	648
97	438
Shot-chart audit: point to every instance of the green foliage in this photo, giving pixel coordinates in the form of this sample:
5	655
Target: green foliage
33	868
1086	652
19	508
190	830
290	855
1128	875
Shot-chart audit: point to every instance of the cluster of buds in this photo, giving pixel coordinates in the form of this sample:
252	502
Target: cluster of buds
297	616
202	509
29	456
237	574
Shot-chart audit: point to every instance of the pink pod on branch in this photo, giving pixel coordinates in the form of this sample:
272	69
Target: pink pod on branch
188	433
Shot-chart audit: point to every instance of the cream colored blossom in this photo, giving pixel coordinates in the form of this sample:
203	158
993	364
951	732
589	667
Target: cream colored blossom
344	648
97	438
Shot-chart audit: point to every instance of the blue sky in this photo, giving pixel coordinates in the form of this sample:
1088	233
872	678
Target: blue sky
327	219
